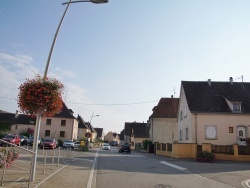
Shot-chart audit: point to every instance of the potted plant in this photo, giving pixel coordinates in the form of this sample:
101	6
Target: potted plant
40	95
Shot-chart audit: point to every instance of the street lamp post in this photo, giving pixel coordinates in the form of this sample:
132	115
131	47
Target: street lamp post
92	117
38	118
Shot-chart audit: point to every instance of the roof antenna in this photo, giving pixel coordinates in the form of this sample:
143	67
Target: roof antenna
174	92
240	78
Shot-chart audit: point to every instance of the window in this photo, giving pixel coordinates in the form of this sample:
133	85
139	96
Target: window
79	131
231	129
47	132
241	133
48	121
181	134
164	148
236	106
63	122
62	133
158	146
187	136
181	115
16	127
211	132
133	143
185	112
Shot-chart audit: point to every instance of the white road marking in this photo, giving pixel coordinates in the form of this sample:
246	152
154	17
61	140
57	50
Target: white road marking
246	183
184	169
172	165
89	185
211	180
50	176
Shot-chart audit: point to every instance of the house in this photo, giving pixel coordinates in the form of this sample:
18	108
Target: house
214	112
62	125
127	132
121	136
111	136
139	132
93	137
83	128
100	134
163	121
23	123
16	123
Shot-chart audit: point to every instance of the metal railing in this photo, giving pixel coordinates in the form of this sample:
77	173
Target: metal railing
5	162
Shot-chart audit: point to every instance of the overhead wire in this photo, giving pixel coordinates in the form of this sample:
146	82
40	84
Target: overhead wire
100	104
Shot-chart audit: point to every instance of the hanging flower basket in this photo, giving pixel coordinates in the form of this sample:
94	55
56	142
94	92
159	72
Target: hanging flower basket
38	95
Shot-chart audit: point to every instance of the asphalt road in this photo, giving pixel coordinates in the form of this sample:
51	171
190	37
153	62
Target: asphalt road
149	171
105	169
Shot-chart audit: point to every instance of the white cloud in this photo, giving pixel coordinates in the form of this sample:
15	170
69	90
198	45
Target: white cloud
60	74
17	60
15	68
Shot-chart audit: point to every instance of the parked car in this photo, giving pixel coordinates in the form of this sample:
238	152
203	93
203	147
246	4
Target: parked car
77	144
125	148
68	144
22	137
106	146
48	143
13	139
32	140
113	143
25	142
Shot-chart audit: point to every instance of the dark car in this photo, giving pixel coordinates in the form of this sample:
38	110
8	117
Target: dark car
125	148
25	142
32	140
48	143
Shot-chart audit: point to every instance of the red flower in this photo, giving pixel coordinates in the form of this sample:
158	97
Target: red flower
38	95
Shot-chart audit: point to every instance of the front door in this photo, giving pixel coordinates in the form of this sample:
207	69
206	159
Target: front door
241	136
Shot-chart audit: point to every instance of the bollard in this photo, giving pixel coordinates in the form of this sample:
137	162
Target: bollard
44	163
53	159
58	156
31	164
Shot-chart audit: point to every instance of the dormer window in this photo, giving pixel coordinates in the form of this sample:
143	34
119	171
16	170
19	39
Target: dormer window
236	106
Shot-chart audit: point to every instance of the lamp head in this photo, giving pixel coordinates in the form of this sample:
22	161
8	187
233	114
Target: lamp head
99	1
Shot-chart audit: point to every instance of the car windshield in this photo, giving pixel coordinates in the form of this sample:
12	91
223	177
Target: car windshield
9	136
68	141
105	144
48	140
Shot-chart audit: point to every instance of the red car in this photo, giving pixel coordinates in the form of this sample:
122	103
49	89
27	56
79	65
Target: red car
48	143
13	139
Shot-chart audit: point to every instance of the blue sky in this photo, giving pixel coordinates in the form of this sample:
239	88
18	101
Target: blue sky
122	52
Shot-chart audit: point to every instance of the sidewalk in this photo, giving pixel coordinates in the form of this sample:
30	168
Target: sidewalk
69	172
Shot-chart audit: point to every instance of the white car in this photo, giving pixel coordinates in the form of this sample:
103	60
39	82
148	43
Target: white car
77	144
106	146
68	144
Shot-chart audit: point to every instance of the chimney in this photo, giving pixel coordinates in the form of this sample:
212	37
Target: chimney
209	82
17	113
231	80
172	96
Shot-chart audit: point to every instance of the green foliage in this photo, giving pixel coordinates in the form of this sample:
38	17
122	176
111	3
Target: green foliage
7	157
60	142
4	126
205	156
25	134
145	144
